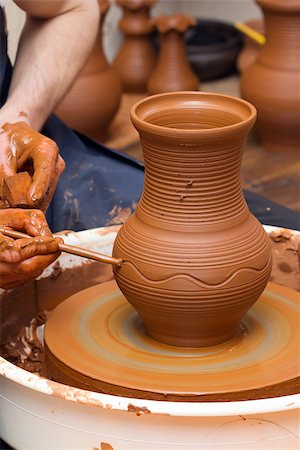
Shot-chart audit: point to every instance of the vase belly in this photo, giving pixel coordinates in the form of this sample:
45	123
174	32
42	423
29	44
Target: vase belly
183	285
278	104
98	95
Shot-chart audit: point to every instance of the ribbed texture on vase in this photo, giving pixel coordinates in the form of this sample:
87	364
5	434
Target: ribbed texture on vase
154	253
173	71
191	280
281	50
192	318
191	185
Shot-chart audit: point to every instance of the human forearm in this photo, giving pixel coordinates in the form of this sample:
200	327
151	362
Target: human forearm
54	46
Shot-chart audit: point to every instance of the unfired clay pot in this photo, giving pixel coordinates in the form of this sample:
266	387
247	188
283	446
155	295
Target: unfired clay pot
94	98
173	72
251	48
272	82
195	258
136	58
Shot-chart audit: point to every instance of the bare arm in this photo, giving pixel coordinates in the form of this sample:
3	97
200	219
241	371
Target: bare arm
55	43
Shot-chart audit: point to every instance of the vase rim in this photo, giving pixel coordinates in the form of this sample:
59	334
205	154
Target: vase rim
279	5
142	124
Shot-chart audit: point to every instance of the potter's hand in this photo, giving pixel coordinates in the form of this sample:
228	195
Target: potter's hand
22	148
23	260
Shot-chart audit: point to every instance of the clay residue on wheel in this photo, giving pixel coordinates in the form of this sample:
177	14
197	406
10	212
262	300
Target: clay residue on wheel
286	258
26	350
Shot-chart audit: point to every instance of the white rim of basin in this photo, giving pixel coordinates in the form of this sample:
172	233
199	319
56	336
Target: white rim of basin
204	409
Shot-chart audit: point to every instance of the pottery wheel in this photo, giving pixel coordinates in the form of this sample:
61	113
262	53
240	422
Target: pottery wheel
95	340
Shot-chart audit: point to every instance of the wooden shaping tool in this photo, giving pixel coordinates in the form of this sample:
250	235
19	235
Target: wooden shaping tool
71	249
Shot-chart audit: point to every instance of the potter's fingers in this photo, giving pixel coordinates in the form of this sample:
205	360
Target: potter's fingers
41	245
36	224
60	167
44	158
6	247
22	249
31	266
32	221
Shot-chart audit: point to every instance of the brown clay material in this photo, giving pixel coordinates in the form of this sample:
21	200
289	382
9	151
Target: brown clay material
15	189
96	341
251	48
94	98
272	82
136	58
173	71
195	258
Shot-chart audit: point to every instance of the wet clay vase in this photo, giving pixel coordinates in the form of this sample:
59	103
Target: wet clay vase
195	258
136	58
94	98
272	82
173	72
251	48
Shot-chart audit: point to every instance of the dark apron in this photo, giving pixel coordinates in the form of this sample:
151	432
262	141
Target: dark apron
99	182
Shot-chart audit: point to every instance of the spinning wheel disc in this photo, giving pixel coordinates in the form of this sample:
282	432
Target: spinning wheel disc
95	340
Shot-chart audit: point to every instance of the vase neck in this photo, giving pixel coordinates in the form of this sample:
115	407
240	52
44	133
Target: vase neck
97	61
282	48
172	48
136	23
191	185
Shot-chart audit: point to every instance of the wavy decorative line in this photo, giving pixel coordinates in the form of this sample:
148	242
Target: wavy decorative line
191	278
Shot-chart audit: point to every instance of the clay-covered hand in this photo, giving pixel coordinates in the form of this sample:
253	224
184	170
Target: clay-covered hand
23	260
24	149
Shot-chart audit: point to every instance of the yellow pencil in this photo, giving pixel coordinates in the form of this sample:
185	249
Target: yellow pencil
257	37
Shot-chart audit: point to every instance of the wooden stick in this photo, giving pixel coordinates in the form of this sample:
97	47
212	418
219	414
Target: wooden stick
72	249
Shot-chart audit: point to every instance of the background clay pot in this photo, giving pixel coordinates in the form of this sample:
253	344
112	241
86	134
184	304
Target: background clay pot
196	258
172	71
251	48
94	98
136	58
212	48
272	82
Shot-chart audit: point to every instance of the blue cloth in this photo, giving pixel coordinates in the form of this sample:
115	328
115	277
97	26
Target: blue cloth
99	181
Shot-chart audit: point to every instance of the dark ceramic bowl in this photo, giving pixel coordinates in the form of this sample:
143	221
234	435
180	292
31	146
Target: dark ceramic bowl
213	48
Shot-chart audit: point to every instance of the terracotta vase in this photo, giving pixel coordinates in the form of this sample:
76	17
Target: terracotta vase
195	258
272	82
173	71
94	98
136	58
251	48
